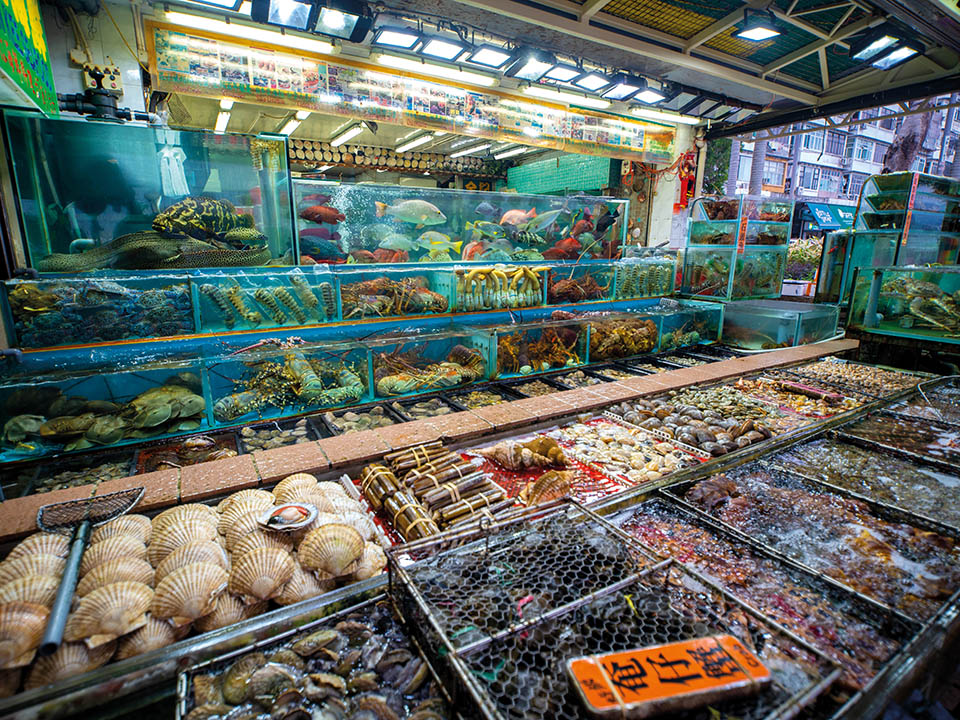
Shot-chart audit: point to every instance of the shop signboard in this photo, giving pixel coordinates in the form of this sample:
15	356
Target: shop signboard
24	61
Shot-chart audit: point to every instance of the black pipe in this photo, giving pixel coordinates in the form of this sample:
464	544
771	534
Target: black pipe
940	86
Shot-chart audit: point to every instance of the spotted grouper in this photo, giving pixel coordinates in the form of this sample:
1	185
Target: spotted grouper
201	217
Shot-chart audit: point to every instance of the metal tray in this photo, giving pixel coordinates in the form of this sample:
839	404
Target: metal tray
849	434
333	430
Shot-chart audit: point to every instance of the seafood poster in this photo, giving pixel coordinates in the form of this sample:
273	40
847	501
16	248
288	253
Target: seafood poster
189	62
23	53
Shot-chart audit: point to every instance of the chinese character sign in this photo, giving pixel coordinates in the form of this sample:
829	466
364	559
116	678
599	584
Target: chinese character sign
23	53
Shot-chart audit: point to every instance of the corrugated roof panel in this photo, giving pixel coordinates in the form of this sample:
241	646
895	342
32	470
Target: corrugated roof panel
680	18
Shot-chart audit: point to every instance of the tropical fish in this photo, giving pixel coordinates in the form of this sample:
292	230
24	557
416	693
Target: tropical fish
201	218
517	217
527	254
420	212
396	241
361	256
377	232
606	221
316	199
438	255
501	244
582	225
324	251
484	229
525	237
566	249
588	243
433	240
383	255
543	221
496	255
472	250
320	232
322	213
486	209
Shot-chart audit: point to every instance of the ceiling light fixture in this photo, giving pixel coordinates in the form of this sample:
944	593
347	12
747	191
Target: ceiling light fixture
510	153
448	49
565	97
226	103
871	44
347	134
648	114
489	56
293	14
398	37
531	64
895	57
531	131
429	68
650	96
223	117
247	32
592	81
344	19
757	25
294	122
439	133
562	73
470	150
415	143
623	87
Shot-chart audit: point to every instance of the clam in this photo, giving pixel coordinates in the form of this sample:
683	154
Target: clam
70	659
301	586
242	495
137	526
229	610
41	564
313	643
193	552
362	523
41	544
267	683
109	612
243	525
154	634
112	548
38	589
239	507
290	485
237	675
207	689
21	630
116	570
331	548
181	513
170	538
261	574
189	592
285	656
211	711
262	538
371	562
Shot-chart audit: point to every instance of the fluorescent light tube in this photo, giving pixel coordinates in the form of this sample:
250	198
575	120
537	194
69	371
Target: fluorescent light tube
350	132
894	58
531	131
226	103
223	117
248	32
565	97
468	151
664	116
429	68
302	114
439	133
324	168
291	125
416	142
510	153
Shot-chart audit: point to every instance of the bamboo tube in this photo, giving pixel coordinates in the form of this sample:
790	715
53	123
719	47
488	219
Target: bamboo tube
308	155
412	452
482	499
492	513
453	492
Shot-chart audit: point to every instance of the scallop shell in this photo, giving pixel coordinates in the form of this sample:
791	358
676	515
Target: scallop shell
240	507
116	570
189	592
243	525
21	630
262	538
302	585
41	544
170	538
371	563
241	495
193	552
154	634
293	484
323	518
230	609
9	682
331	548
180	513
137	526
261	574
334	488
112	548
362	523
42	564
343	504
70	659
109	612
39	589
321	501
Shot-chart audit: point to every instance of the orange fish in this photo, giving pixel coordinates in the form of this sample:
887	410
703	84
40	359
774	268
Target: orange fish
583	225
382	255
363	256
566	249
517	217
472	250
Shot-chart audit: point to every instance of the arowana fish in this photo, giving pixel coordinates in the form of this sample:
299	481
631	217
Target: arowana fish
420	212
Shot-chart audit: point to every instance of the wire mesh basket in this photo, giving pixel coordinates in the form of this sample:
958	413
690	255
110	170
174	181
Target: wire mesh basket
504	609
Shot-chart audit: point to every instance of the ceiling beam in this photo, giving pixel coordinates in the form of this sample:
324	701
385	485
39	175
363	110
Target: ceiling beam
824	68
817	45
822	8
591	8
714	29
574	27
843	18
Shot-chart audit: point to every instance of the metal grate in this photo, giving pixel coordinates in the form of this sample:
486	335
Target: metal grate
678	18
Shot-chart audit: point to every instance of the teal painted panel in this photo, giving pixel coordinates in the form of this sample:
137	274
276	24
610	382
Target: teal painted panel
570	172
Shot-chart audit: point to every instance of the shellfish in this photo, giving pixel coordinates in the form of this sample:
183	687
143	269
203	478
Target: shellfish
242	495
41	543
154	634
114	547
70	659
241	506
116	570
137	526
302	585
288	488
261	574
552	485
362	523
171	537
260	538
189	592
193	552
371	562
229	610
109	612
21	630
242	526
38	589
42	564
331	548
236	677
180	513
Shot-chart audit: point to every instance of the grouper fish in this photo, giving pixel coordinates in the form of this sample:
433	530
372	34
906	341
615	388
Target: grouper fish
420	212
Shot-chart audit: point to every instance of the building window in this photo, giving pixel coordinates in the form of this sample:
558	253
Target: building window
813	141
859	148
879	151
830	181
852	184
809	177
835	142
773	174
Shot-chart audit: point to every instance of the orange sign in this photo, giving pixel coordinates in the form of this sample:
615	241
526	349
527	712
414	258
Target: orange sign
658	679
742	235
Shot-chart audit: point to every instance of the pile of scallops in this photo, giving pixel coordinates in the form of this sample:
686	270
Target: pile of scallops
146	583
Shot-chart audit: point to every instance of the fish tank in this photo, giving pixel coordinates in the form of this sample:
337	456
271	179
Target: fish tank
581	282
414	363
684	323
741	219
393	292
769	324
539	347
71	411
499	287
908	302
646	275
615	336
265	300
369	223
706	271
48	313
161	199
758	273
265	384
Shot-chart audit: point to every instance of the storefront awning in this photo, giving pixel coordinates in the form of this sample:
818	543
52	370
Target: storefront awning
829	217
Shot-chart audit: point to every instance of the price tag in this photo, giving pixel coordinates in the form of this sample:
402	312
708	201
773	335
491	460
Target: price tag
742	235
666	678
909	217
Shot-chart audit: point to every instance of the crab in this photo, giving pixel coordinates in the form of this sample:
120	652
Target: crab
929	303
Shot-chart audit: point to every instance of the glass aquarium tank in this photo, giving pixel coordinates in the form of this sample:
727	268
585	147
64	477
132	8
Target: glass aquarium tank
263	300
414	363
684	323
581	282
160	199
538	347
706	271
264	384
769	324
758	273
68	311
64	411
393	292
370	223
499	287
651	273
910	302
614	336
